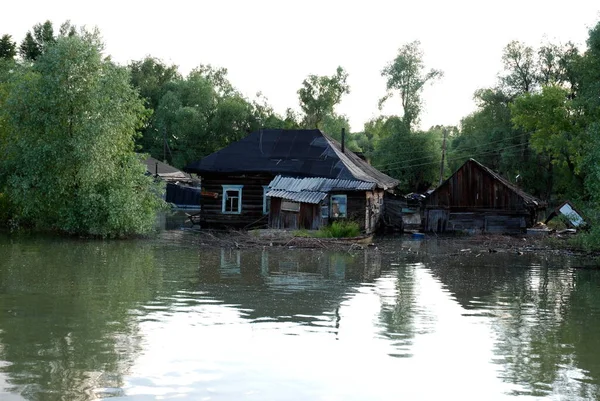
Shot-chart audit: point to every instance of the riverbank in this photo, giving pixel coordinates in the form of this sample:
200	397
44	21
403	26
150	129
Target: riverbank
452	244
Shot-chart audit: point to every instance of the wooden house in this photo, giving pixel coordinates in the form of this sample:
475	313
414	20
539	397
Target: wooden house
476	199
239	177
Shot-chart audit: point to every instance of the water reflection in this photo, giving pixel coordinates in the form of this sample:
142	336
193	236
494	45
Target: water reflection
65	323
304	287
166	318
540	311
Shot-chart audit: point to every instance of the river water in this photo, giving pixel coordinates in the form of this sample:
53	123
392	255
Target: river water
165	319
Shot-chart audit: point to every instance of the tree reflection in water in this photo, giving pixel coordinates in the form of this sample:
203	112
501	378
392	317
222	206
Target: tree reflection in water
65	323
543	312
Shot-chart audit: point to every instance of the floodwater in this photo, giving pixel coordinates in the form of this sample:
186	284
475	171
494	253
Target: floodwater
162	319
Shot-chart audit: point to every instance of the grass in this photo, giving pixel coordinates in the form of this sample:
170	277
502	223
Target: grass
338	229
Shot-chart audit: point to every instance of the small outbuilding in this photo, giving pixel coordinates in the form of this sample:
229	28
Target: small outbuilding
180	187
476	199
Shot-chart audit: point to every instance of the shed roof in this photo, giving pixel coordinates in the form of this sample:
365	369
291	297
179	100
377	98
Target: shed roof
300	153
312	189
165	171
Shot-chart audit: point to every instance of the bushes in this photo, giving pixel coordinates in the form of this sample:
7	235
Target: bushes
339	229
5	210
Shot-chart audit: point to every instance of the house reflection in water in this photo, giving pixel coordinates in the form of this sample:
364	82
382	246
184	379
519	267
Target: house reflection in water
301	286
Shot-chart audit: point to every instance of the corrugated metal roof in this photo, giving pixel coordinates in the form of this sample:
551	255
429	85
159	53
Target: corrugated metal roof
303	197
312	189
318	184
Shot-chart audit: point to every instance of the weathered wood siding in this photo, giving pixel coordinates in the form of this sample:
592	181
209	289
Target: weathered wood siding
491	221
309	216
252	200
473	188
363	207
373	210
356	203
473	200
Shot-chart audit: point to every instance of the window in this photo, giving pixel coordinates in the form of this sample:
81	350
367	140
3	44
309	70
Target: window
338	206
266	200
324	211
290	206
232	199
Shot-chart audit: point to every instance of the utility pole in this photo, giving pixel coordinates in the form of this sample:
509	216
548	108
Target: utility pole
164	144
443	156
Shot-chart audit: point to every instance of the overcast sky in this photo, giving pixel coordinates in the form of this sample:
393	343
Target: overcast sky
271	46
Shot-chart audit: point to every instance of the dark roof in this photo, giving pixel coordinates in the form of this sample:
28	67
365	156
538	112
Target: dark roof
299	153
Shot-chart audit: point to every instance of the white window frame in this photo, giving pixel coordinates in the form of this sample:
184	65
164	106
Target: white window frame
332	198
224	200
266	200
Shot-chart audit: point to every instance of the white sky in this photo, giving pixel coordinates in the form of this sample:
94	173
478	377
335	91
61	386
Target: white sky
271	46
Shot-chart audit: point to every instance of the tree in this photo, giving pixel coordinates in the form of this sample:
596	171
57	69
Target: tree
551	119
151	76
8	48
405	76
38	42
29	49
320	94
411	157
520	69
70	162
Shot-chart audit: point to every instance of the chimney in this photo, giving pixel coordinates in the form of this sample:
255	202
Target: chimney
343	138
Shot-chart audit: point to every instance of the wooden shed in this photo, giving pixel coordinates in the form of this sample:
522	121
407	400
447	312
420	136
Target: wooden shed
239	176
476	199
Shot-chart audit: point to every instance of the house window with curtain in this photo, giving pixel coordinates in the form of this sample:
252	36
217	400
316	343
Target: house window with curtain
266	200
338	206
232	199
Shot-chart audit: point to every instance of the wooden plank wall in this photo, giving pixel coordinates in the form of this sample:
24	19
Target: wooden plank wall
491	221
472	187
309	216
252	200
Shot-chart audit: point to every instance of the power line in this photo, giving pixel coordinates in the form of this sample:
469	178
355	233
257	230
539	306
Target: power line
466	149
450	159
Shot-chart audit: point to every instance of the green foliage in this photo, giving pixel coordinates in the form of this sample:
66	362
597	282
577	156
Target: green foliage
332	125
339	229
70	165
196	115
29	49
414	158
6	210
320	94
36	43
556	134
520	67
8	48
151	77
405	75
